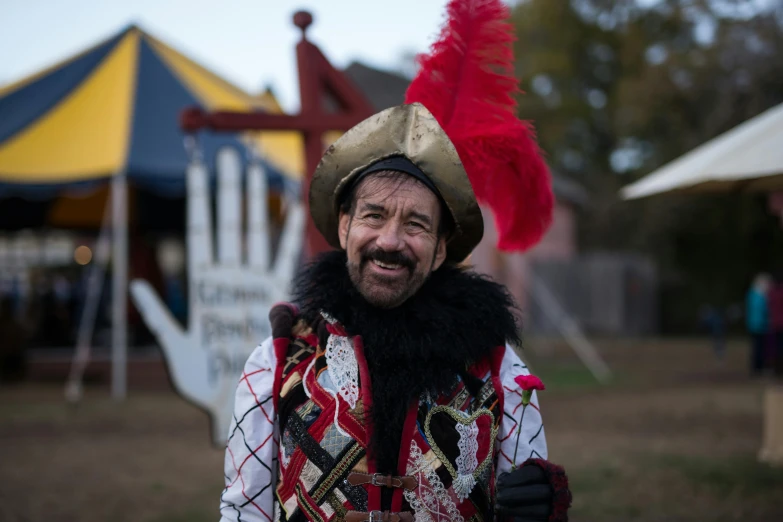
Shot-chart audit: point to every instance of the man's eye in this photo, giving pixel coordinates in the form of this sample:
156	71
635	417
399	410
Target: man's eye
415	224
373	216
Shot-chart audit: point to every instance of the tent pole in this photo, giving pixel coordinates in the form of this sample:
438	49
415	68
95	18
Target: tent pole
81	357
119	344
570	330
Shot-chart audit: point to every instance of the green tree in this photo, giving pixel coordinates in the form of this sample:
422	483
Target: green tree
618	88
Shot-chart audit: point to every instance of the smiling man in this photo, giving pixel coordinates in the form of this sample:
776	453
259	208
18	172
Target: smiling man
393	233
389	390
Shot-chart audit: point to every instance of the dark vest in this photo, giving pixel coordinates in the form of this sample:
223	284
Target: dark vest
322	391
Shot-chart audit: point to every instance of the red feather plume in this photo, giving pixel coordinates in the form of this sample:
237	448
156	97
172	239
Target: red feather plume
467	82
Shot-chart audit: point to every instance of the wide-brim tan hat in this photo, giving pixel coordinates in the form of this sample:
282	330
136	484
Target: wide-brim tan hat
410	131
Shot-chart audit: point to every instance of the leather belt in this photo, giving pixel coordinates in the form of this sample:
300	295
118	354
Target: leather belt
378	516
379	479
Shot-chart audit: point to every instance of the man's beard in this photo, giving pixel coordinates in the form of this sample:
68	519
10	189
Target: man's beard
381	291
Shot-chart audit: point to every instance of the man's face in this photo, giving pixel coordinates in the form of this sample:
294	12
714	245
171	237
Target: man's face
391	238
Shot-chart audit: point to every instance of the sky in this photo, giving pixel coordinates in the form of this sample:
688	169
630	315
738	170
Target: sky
249	42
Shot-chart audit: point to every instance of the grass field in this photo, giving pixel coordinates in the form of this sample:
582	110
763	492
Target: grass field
673	438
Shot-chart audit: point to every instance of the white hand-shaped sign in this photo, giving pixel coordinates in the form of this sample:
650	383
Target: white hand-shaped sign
229	299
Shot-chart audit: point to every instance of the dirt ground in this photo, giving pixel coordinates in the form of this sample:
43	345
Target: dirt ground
673	438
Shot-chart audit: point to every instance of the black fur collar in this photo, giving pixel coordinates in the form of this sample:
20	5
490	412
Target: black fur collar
421	346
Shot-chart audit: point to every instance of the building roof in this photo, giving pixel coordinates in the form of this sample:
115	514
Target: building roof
383	89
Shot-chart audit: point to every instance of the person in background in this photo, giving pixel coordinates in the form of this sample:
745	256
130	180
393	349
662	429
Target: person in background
757	320
714	321
775	306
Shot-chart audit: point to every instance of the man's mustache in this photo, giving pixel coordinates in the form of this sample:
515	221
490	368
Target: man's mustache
387	258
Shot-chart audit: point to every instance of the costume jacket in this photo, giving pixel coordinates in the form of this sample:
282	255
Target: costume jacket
299	446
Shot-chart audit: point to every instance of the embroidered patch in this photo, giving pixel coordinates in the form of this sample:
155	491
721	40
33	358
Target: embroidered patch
293	380
305	503
334	442
487	391
322	460
336	479
337	506
290	506
308	412
289	445
298	351
473	451
430	500
309	475
328	510
461	399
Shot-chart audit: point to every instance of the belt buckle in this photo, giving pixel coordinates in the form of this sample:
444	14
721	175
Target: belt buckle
375	482
376	516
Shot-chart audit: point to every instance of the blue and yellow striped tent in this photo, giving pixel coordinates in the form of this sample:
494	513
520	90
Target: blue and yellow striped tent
115	109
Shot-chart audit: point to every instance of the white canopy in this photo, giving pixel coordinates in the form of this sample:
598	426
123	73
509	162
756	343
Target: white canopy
748	157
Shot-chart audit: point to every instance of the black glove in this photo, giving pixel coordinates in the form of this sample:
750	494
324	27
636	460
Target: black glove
524	495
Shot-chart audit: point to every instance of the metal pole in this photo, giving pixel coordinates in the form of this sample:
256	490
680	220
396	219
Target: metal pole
570	330
119	344
81	357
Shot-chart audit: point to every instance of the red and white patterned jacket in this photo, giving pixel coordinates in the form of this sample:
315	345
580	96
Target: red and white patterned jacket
298	471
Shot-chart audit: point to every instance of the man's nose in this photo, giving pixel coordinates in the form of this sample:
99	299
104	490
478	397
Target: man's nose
390	238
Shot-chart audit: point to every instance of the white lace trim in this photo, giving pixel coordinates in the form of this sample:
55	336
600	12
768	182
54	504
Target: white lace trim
343	371
343	368
467	461
430	498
